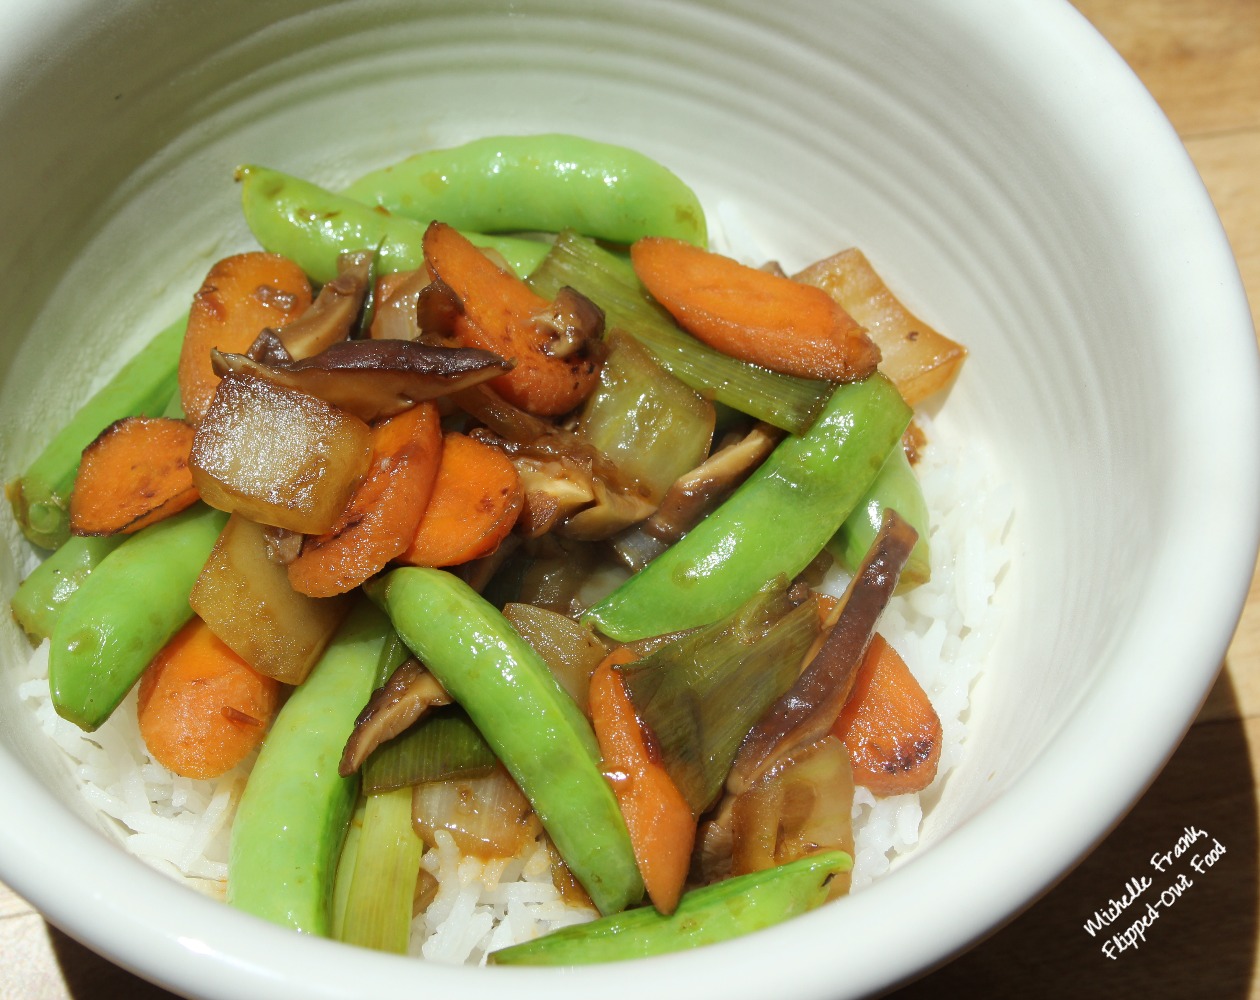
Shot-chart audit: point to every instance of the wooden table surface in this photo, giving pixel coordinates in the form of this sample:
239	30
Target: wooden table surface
1201	60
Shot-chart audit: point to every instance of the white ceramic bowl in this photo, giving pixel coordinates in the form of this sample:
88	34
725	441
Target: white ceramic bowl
997	161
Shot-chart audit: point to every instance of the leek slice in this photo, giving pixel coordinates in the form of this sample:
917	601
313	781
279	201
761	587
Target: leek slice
387	863
443	744
701	694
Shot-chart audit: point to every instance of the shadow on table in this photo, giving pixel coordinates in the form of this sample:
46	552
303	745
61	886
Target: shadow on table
90	977
1203	945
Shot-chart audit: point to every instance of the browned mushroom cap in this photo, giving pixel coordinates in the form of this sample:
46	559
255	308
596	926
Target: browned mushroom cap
332	315
574	322
374	379
693	495
410	692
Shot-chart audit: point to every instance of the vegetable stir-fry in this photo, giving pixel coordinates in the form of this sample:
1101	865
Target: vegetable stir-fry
485	497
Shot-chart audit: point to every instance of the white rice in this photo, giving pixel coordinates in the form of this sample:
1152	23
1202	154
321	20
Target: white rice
943	630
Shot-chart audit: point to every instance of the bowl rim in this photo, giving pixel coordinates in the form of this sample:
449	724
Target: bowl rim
157	929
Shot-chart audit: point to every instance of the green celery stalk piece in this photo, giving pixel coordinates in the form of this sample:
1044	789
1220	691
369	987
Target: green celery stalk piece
534	727
896	487
40	497
610	282
44	594
292	818
378	907
714	913
313	226
775	523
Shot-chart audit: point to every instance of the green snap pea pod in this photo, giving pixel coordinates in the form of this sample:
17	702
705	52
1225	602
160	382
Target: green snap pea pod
534	727
40	497
778	520
295	809
40	598
714	913
543	183
313	226
125	611
896	487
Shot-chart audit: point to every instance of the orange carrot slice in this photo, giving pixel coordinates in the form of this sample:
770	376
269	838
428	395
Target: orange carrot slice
499	316
240	297
753	315
476	499
889	727
202	708
662	827
134	474
381	518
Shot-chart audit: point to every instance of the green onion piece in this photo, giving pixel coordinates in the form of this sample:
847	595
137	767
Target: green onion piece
701	694
610	282
378	907
648	422
443	744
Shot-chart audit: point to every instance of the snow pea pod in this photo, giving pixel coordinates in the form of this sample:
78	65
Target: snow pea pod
776	522
294	812
533	726
40	497
126	610
542	183
40	598
714	913
313	227
896	487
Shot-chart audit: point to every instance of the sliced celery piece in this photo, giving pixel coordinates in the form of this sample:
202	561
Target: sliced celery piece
610	282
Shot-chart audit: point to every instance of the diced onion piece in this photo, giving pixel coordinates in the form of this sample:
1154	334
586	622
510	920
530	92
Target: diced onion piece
917	358
572	651
247	601
488	817
643	418
801	806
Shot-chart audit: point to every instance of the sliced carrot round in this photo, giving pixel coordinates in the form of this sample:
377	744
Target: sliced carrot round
134	474
889	726
499	315
202	709
476	499
381	519
240	297
662	827
754	315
